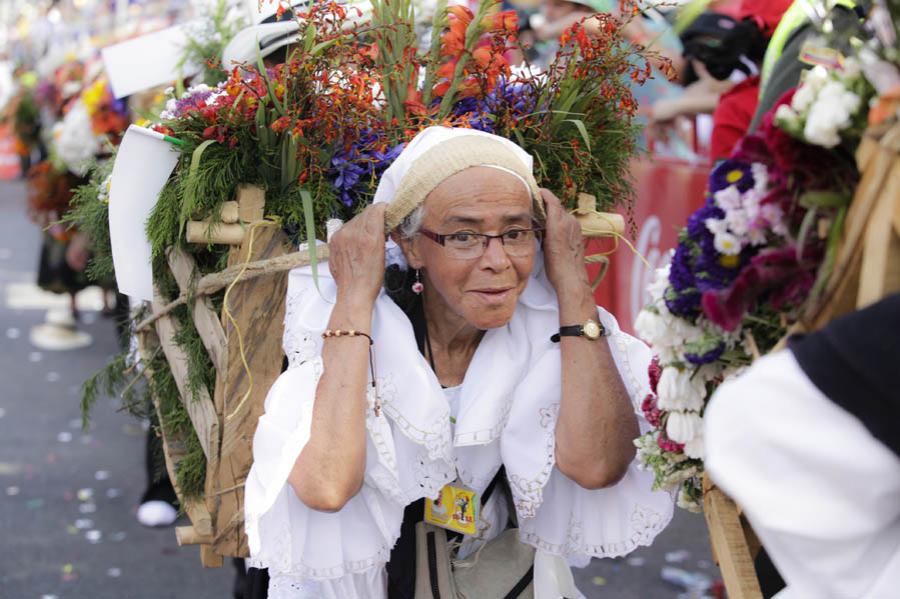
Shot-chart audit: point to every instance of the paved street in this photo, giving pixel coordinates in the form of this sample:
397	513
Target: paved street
68	497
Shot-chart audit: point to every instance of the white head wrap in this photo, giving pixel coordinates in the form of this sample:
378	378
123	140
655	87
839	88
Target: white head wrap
437	153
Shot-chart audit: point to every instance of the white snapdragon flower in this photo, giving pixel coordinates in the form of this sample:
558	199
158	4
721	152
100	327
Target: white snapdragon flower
800	103
678	390
695	447
651	326
681	427
727	244
830	113
816	77
786	117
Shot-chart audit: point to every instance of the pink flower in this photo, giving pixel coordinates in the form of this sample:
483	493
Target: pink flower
666	444
776	273
651	412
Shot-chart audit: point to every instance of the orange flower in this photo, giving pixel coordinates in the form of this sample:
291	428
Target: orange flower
506	21
461	13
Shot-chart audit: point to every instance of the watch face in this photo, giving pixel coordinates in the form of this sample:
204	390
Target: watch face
591	329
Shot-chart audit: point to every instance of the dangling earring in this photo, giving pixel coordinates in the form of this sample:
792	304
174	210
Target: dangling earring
418	287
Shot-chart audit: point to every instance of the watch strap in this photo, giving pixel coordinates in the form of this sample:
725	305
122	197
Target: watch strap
575	330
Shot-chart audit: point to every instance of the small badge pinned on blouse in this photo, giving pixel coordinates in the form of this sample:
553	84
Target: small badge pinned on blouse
456	509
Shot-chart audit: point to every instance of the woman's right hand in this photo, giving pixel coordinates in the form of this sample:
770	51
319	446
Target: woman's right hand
356	256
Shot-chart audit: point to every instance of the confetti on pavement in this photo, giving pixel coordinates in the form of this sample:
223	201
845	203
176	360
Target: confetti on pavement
598	581
13	333
52	377
636	562
114	572
12	491
35	356
85	494
64	437
93	536
676	557
101	475
87	508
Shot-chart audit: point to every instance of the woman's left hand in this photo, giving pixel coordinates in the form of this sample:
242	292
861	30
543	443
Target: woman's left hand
563	248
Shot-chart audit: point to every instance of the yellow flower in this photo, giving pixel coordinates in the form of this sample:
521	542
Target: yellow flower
94	96
730	261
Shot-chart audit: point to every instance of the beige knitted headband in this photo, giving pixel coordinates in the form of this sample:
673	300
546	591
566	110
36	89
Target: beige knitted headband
446	159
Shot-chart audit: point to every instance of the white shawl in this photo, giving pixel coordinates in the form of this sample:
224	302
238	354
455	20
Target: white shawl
507	415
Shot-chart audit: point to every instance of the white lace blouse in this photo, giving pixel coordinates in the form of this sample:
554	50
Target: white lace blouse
507	411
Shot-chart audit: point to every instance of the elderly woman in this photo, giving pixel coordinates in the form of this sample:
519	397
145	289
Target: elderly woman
486	392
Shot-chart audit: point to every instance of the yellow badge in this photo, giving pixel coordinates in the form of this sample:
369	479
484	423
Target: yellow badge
456	509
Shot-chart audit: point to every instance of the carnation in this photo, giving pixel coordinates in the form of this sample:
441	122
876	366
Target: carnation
681	427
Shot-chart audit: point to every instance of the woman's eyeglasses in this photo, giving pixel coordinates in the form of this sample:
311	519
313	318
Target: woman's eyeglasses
468	246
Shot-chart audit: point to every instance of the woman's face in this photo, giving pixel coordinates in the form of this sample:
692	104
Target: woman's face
483	291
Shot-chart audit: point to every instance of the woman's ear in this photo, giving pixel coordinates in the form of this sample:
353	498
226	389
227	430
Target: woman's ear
409	248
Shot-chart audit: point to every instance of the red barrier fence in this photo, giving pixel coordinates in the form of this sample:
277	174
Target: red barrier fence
667	192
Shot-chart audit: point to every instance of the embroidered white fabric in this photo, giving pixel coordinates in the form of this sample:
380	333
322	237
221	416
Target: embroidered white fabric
509	398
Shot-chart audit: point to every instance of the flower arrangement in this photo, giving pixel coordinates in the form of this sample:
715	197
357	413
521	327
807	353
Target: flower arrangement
749	262
318	130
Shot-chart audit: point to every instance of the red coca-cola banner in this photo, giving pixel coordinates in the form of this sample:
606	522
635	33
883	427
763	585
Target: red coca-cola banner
667	192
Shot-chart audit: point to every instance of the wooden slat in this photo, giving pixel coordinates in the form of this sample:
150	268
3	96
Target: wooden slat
880	274
173	451
199	406
205	318
730	547
257	306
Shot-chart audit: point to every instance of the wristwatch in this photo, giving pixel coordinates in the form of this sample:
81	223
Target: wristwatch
591	330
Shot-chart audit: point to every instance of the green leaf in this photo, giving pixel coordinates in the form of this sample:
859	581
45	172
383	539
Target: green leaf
309	38
809	219
579	124
309	217
191	184
265	75
824	199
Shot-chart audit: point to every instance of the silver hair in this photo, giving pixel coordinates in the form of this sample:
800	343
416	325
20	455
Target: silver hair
412	224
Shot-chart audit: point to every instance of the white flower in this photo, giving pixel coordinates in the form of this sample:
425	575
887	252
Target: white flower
851	68
681	427
727	244
786	116
760	178
678	390
802	100
694	448
728	198
74	138
816	77
738	222
650	326
830	113
716	226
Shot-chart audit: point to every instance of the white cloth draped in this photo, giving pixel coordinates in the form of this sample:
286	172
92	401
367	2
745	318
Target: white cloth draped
821	492
508	406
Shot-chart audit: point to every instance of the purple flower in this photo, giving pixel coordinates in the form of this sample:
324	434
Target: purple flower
706	357
354	171
731	172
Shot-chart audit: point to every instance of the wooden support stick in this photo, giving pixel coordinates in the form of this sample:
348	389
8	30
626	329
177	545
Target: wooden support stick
597	224
230	213
219	280
199	406
730	547
205	232
188	535
205	318
251	203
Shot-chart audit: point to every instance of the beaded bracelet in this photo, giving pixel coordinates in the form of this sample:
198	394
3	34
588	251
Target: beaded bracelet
329	334
342	333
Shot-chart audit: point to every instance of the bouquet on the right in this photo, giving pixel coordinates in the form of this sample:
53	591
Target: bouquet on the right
761	249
